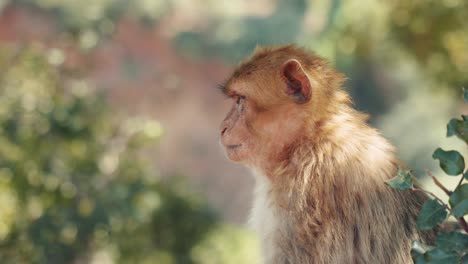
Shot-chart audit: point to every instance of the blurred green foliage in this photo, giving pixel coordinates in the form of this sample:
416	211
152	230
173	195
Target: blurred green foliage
436	34
432	33
73	185
234	38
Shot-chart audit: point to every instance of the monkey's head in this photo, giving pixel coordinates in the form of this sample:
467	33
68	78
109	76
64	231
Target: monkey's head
277	93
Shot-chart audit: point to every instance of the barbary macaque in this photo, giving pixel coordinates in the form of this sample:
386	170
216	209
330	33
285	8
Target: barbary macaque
320	169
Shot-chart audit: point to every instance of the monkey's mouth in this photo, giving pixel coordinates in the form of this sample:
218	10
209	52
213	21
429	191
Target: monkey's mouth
231	147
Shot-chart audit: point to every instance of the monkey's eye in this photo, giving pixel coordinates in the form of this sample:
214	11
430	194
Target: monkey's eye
239	99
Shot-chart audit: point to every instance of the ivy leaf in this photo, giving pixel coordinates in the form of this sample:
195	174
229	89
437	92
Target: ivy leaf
452	241
435	256
438	256
402	181
465	175
459	128
464	259
418	257
450	161
459	201
465	94
420	247
432	212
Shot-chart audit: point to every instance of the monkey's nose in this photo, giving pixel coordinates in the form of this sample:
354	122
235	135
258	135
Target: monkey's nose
223	131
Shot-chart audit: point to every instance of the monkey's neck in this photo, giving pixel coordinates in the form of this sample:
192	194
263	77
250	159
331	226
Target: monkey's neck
319	188
338	160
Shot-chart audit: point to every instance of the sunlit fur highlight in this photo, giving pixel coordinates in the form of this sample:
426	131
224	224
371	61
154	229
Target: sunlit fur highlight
323	199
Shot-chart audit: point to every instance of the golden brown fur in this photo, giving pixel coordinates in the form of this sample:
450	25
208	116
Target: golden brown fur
320	196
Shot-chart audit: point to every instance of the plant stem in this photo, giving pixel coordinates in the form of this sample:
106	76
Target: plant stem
463	224
461	220
433	195
460	182
437	182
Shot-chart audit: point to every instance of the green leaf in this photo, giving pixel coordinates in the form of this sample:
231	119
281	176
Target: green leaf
432	212
438	256
450	161
452	241
465	175
452	126
420	247
465	94
435	256
418	257
459	128
459	201
464	259
402	181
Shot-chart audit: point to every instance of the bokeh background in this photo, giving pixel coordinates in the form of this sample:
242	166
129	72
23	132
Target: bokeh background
109	114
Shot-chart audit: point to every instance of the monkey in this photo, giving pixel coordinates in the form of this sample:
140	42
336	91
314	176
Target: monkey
319	167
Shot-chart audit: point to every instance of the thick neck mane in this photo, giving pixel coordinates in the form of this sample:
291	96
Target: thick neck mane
334	191
355	148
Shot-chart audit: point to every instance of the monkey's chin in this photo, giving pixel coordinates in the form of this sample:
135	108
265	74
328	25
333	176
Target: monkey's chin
234	155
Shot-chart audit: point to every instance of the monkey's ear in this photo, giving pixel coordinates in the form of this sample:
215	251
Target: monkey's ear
297	83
